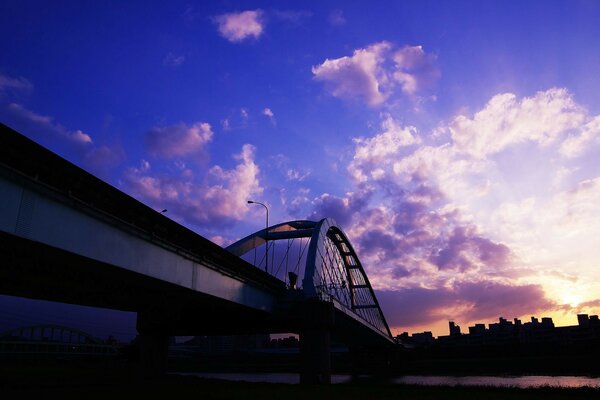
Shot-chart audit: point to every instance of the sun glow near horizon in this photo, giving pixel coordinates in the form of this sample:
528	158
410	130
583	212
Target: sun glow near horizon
462	165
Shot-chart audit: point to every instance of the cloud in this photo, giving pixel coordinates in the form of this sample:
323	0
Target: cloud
45	124
81	137
19	84
211	200
294	17
178	140
336	18
341	209
237	27
373	74
296	175
359	76
474	219
100	158
506	121
225	124
578	142
173	60
414	69
371	153
465	302
267	112
466	250
294	205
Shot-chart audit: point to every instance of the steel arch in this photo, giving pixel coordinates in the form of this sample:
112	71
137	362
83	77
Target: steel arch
333	271
29	331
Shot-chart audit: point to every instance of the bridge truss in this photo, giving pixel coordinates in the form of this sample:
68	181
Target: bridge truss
321	253
52	339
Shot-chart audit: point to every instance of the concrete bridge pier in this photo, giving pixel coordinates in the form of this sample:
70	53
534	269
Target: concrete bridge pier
315	342
154	344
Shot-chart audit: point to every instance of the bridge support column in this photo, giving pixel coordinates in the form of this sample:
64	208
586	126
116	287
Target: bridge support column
315	343
154	344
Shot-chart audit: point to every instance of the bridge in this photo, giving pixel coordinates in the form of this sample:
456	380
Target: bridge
50	339
67	236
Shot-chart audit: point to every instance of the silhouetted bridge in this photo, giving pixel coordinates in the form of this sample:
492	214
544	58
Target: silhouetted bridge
50	339
67	236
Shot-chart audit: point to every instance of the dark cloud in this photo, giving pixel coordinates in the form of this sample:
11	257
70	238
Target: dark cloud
466	302
407	216
466	250
341	209
414	306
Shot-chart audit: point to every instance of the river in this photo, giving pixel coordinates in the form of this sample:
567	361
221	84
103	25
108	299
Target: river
528	381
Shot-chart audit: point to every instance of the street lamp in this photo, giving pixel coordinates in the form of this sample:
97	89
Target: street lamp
266	234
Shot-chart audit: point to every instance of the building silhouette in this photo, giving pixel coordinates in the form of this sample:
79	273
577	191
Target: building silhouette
505	332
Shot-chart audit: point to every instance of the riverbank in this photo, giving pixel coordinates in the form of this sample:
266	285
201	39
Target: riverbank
117	383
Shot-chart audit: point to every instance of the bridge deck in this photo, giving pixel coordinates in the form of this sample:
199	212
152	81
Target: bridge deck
65	235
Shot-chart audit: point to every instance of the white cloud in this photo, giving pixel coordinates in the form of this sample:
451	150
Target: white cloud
16	84
81	137
296	175
414	68
561	231
359	76
506	121
372	154
502	198
219	197
268	113
577	143
178	140
225	124
237	27
173	60
373	73
543	206
235	186
47	124
20	111
336	18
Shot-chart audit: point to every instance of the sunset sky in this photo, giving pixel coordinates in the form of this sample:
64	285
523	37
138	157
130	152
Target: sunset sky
456	143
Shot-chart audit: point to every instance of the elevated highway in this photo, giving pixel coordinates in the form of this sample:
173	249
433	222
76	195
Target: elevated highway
67	236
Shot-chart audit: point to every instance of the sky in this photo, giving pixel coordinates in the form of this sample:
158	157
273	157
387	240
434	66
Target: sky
456	143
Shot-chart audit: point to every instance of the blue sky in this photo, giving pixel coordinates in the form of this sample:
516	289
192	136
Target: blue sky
457	143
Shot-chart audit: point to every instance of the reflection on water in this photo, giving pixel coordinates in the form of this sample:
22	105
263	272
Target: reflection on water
529	381
265	377
498	381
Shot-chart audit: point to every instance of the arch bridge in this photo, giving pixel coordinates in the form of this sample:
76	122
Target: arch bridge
67	236
51	339
333	298
322	255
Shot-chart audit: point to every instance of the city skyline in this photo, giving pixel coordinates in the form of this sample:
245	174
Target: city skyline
456	144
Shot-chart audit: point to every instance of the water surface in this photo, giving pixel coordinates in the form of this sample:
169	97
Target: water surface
528	381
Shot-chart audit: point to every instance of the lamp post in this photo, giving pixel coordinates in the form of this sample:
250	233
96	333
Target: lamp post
266	234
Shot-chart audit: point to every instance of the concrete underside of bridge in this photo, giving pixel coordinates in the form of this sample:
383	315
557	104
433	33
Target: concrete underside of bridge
34	270
39	271
69	237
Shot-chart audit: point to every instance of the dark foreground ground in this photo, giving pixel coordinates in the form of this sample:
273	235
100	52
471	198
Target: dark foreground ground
116	383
